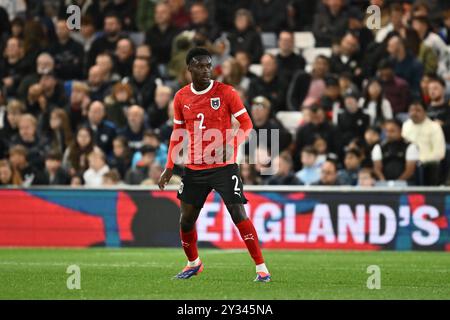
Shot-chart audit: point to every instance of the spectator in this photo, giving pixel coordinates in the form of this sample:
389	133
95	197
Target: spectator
394	158
152	139
75	156
288	61
366	178
424	88
29	175
352	122
45	64
233	74
395	25
9	176
54	172
428	136
157	111
111	178
93	177
347	58
86	36
352	164
68	53
331	100
330	22
270	84
284	173
395	89
180	16
357	26
28	137
104	130
143	82
319	126
160	36
375	104
53	91
439	107
306	88
13	67
121	157
14	110
97	81
310	172
135	128
270	15
245	37
200	21
76	181
249	175
346	83
135	176
328	174
58	131
117	104
124	55
106	62
424	54
79	102
406	66
106	43
262	120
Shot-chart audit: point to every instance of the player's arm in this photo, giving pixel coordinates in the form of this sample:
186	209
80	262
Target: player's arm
178	124
240	113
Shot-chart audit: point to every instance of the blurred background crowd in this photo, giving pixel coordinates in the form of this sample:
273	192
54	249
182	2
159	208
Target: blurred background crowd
353	105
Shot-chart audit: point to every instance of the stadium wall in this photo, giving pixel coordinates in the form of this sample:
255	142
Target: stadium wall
285	218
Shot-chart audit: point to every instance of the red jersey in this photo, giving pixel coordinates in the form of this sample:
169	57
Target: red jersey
198	112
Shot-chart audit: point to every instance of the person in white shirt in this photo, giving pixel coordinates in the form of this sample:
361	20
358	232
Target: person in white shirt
429	137
93	177
395	158
375	104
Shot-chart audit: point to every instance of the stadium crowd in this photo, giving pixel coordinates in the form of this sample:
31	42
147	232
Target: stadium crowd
94	106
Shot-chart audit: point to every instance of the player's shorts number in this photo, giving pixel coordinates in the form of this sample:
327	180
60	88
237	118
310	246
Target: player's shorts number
202	118
237	190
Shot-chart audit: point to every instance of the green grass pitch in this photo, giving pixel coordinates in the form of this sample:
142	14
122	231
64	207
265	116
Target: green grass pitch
147	274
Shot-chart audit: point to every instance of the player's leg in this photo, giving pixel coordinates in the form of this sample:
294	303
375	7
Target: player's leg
230	187
250	238
192	193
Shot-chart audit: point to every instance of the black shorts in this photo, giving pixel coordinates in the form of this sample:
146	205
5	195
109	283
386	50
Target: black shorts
197	184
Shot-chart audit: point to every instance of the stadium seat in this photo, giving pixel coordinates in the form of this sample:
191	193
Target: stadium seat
304	40
391	183
290	119
269	39
138	38
256	69
311	53
272	51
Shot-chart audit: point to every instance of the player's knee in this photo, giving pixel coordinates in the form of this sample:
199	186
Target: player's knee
237	212
186	223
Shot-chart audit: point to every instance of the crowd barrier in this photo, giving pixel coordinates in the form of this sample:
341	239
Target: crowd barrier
285	218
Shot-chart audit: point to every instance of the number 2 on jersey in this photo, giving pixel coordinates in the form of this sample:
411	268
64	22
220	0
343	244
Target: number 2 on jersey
202	118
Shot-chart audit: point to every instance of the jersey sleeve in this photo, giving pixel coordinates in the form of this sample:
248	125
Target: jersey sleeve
178	118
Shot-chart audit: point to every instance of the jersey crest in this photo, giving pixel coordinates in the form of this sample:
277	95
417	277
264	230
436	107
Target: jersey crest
215	103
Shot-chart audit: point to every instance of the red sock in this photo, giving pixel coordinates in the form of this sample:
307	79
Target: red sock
189	243
250	237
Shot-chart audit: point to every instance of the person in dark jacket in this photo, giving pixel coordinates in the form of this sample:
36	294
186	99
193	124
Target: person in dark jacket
54	172
330	22
352	122
245	37
104	130
284	174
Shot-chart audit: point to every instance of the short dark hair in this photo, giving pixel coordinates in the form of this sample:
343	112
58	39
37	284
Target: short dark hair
195	52
395	122
354	151
310	150
53	155
417	102
438	79
385	64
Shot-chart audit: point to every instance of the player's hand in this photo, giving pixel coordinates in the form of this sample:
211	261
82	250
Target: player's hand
164	178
